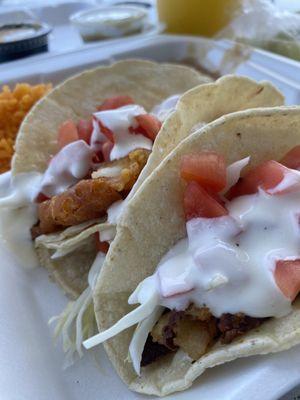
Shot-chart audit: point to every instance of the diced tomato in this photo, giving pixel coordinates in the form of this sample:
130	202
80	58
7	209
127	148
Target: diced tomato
266	175
107	132
115	102
101	246
106	150
208	168
216	197
292	158
85	129
287	277
41	197
198	203
149	125
67	133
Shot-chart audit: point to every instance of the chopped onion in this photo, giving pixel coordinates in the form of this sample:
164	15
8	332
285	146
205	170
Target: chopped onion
233	172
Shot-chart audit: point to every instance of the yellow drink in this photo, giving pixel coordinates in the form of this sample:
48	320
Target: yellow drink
196	17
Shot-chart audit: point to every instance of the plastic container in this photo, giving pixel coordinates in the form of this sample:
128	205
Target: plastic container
31	367
65	37
214	57
109	22
22	39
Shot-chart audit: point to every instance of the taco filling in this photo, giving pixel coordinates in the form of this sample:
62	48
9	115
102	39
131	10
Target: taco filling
81	197
238	266
98	162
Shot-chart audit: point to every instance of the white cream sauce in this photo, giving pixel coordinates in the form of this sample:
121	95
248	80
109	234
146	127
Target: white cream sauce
291	182
18	214
166	107
119	121
67	167
4	183
20	190
97	137
225	263
75	160
232	257
15	234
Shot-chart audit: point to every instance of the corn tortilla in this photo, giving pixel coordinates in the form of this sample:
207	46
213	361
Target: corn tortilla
154	221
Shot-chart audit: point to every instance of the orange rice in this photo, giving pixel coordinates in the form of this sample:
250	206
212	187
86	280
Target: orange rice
14	105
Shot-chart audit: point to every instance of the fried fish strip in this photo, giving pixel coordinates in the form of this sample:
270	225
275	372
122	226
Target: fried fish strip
90	198
130	169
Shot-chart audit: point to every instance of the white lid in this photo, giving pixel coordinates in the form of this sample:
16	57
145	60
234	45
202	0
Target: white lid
109	16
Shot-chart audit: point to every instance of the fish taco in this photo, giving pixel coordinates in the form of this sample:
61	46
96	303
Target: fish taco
205	265
50	145
82	149
109	129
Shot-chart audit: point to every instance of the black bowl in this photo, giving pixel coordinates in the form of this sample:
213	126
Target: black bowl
35	42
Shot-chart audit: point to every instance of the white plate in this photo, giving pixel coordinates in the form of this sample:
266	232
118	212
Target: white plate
30	367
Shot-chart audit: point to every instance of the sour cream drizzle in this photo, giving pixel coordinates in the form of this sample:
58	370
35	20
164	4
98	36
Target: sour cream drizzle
67	167
232	257
97	137
73	162
18	211
225	263
18	214
119	121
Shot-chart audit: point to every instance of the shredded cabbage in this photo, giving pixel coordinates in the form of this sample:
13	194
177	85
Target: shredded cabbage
134	317
64	244
64	250
77	321
140	336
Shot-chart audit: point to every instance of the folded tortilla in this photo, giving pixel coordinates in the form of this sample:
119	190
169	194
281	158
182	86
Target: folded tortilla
154	221
148	83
